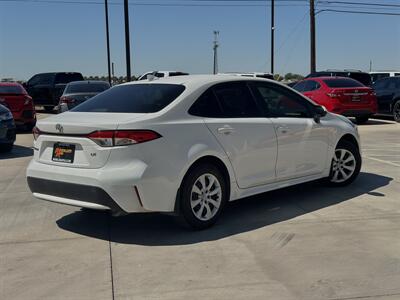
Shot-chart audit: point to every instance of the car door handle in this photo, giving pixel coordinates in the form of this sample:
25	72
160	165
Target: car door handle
226	130
282	129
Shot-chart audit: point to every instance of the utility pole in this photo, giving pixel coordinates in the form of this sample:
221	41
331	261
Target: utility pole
272	34
127	43
370	65
112	71
108	41
215	47
312	37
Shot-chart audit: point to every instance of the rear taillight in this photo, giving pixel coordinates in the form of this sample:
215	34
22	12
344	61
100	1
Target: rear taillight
67	100
36	133
110	138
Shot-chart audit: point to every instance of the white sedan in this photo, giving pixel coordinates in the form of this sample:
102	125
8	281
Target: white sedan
187	145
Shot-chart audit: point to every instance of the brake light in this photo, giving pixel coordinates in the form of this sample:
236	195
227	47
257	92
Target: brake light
36	133
109	138
66	100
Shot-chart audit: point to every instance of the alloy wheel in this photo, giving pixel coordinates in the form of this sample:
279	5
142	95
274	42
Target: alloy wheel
206	197
396	111
343	165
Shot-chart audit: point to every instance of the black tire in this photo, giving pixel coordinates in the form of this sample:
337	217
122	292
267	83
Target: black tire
186	216
49	109
362	120
353	149
5	148
396	111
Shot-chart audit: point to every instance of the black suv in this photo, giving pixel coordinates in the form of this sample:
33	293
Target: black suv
388	96
47	88
360	76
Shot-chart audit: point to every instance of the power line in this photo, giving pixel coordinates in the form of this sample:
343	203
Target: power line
358	12
360	3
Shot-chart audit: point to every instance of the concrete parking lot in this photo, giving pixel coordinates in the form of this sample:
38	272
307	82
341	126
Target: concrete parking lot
305	242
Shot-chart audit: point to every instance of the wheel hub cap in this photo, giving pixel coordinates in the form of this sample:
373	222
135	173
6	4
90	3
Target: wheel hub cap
206	197
343	165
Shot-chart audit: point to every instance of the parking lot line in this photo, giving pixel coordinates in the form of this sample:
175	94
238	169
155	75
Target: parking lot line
383	161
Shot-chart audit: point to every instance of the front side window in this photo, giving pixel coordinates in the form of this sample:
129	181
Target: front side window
280	102
236	100
133	98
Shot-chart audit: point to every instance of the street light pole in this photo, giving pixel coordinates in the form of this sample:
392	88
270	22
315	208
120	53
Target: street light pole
108	41
313	59
215	48
127	42
272	34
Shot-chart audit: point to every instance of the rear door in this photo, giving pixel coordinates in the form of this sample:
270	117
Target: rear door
302	143
247	137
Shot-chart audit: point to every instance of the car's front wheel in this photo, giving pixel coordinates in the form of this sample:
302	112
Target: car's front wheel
346	164
396	111
202	197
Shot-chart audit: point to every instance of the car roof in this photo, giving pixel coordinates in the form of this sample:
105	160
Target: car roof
88	82
328	78
10	84
197	80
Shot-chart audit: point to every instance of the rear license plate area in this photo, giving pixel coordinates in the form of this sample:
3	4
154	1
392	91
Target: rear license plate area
63	152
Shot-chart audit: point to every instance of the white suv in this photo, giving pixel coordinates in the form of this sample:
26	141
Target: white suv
187	145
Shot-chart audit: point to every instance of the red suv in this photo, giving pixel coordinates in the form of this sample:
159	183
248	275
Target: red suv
341	95
14	96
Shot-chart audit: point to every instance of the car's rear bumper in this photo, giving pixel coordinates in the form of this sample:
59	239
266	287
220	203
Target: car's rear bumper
357	112
121	189
23	117
73	194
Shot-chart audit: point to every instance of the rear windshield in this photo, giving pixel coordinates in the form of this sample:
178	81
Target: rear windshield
86	88
342	83
68	77
133	98
10	89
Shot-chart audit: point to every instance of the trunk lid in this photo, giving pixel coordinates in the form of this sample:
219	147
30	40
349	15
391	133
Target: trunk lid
353	96
68	131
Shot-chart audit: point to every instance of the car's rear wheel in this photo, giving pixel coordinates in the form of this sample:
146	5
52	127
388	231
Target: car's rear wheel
202	197
396	111
362	120
346	164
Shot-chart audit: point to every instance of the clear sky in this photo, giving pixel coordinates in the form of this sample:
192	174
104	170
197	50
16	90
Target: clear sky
41	37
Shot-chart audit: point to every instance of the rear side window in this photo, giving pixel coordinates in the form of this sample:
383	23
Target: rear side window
177	74
133	98
301	86
312	85
86	88
67	77
342	83
236	100
11	89
381	84
206	106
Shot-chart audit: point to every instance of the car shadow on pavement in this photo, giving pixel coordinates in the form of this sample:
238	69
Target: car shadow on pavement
239	216
16	152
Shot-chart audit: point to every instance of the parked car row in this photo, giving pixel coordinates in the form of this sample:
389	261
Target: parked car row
352	93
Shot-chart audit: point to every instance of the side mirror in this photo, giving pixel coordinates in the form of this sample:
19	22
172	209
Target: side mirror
319	112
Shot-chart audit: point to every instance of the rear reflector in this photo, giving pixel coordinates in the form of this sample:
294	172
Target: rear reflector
110	138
